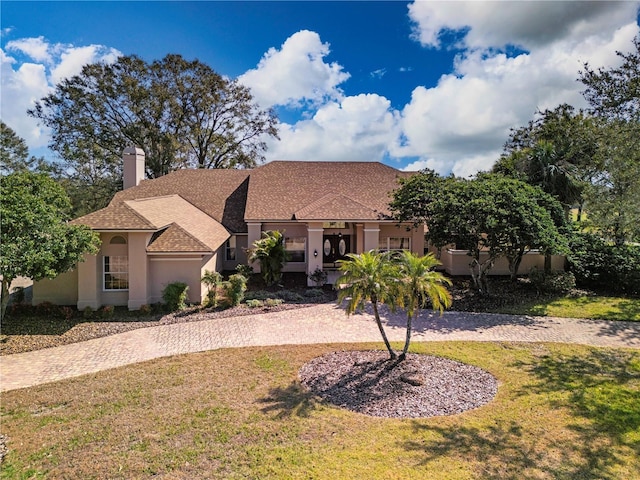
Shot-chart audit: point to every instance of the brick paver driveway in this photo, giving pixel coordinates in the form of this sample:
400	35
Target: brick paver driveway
325	323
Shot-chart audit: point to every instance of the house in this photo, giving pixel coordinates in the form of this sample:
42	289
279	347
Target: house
175	227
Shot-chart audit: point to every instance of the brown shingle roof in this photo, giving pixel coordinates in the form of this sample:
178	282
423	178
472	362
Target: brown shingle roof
321	190
220	194
115	217
173	209
175	239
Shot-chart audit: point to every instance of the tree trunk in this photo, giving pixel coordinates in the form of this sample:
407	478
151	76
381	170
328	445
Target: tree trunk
381	328
547	263
407	341
6	283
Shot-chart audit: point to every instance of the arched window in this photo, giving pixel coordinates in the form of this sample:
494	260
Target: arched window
118	240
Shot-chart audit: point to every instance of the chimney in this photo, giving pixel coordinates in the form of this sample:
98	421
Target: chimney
133	167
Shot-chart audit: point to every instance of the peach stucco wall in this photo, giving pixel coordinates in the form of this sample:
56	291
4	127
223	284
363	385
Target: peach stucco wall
456	262
62	290
164	270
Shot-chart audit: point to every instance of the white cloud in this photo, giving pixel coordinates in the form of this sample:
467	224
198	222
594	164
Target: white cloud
461	124
526	24
360	127
295	74
23	83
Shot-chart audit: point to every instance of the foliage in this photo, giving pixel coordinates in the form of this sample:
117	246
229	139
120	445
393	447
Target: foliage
175	296
254	303
614	98
273	302
552	282
234	289
418	286
491	215
212	280
245	270
269	251
318	276
368	276
605	266
35	239
181	113
107	311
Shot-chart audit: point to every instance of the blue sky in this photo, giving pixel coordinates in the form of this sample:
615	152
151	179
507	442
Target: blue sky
412	84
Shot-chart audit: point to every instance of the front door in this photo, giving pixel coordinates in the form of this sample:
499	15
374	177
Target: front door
335	247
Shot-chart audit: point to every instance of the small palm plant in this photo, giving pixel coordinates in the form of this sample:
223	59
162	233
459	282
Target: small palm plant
270	252
368	276
212	281
418	286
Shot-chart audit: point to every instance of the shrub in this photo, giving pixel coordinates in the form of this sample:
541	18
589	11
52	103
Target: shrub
18	295
175	296
144	309
289	296
234	289
212	280
313	293
258	295
254	303
107	311
87	313
66	312
553	282
273	302
319	277
46	309
245	270
601	265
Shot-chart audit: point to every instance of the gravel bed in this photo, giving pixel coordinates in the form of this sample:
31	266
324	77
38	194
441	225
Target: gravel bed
420	386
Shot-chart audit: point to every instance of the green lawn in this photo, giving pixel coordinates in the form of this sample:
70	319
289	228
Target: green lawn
562	412
601	307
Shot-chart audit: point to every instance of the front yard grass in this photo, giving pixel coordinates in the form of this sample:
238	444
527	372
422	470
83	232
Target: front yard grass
562	411
596	307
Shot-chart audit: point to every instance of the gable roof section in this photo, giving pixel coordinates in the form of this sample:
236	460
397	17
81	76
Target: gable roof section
221	194
115	217
349	191
175	239
194	224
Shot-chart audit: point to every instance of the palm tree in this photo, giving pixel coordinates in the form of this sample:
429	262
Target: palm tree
367	276
420	285
212	280
270	252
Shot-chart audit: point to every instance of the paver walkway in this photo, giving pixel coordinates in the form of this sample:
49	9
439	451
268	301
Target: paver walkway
326	323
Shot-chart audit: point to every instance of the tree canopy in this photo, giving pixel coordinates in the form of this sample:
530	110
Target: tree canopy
35	239
14	154
490	216
182	113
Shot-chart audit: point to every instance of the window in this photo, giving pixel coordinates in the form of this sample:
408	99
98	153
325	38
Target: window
296	247
118	240
116	273
394	243
230	249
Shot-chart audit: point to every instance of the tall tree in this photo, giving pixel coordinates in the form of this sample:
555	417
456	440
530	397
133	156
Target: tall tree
369	276
182	113
614	98
555	151
35	239
14	154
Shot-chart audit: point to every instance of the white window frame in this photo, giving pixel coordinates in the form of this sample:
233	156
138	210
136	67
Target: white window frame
231	245
385	244
289	240
118	263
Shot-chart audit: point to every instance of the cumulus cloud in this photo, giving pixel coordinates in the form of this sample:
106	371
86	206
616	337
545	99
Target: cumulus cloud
357	128
461	124
296	73
42	65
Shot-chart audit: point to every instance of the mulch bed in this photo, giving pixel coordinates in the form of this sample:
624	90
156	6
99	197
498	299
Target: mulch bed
368	382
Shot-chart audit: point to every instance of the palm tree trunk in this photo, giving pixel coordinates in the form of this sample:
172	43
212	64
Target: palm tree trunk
407	341
381	328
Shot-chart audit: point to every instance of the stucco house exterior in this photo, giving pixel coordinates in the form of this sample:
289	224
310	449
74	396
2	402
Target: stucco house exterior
175	227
